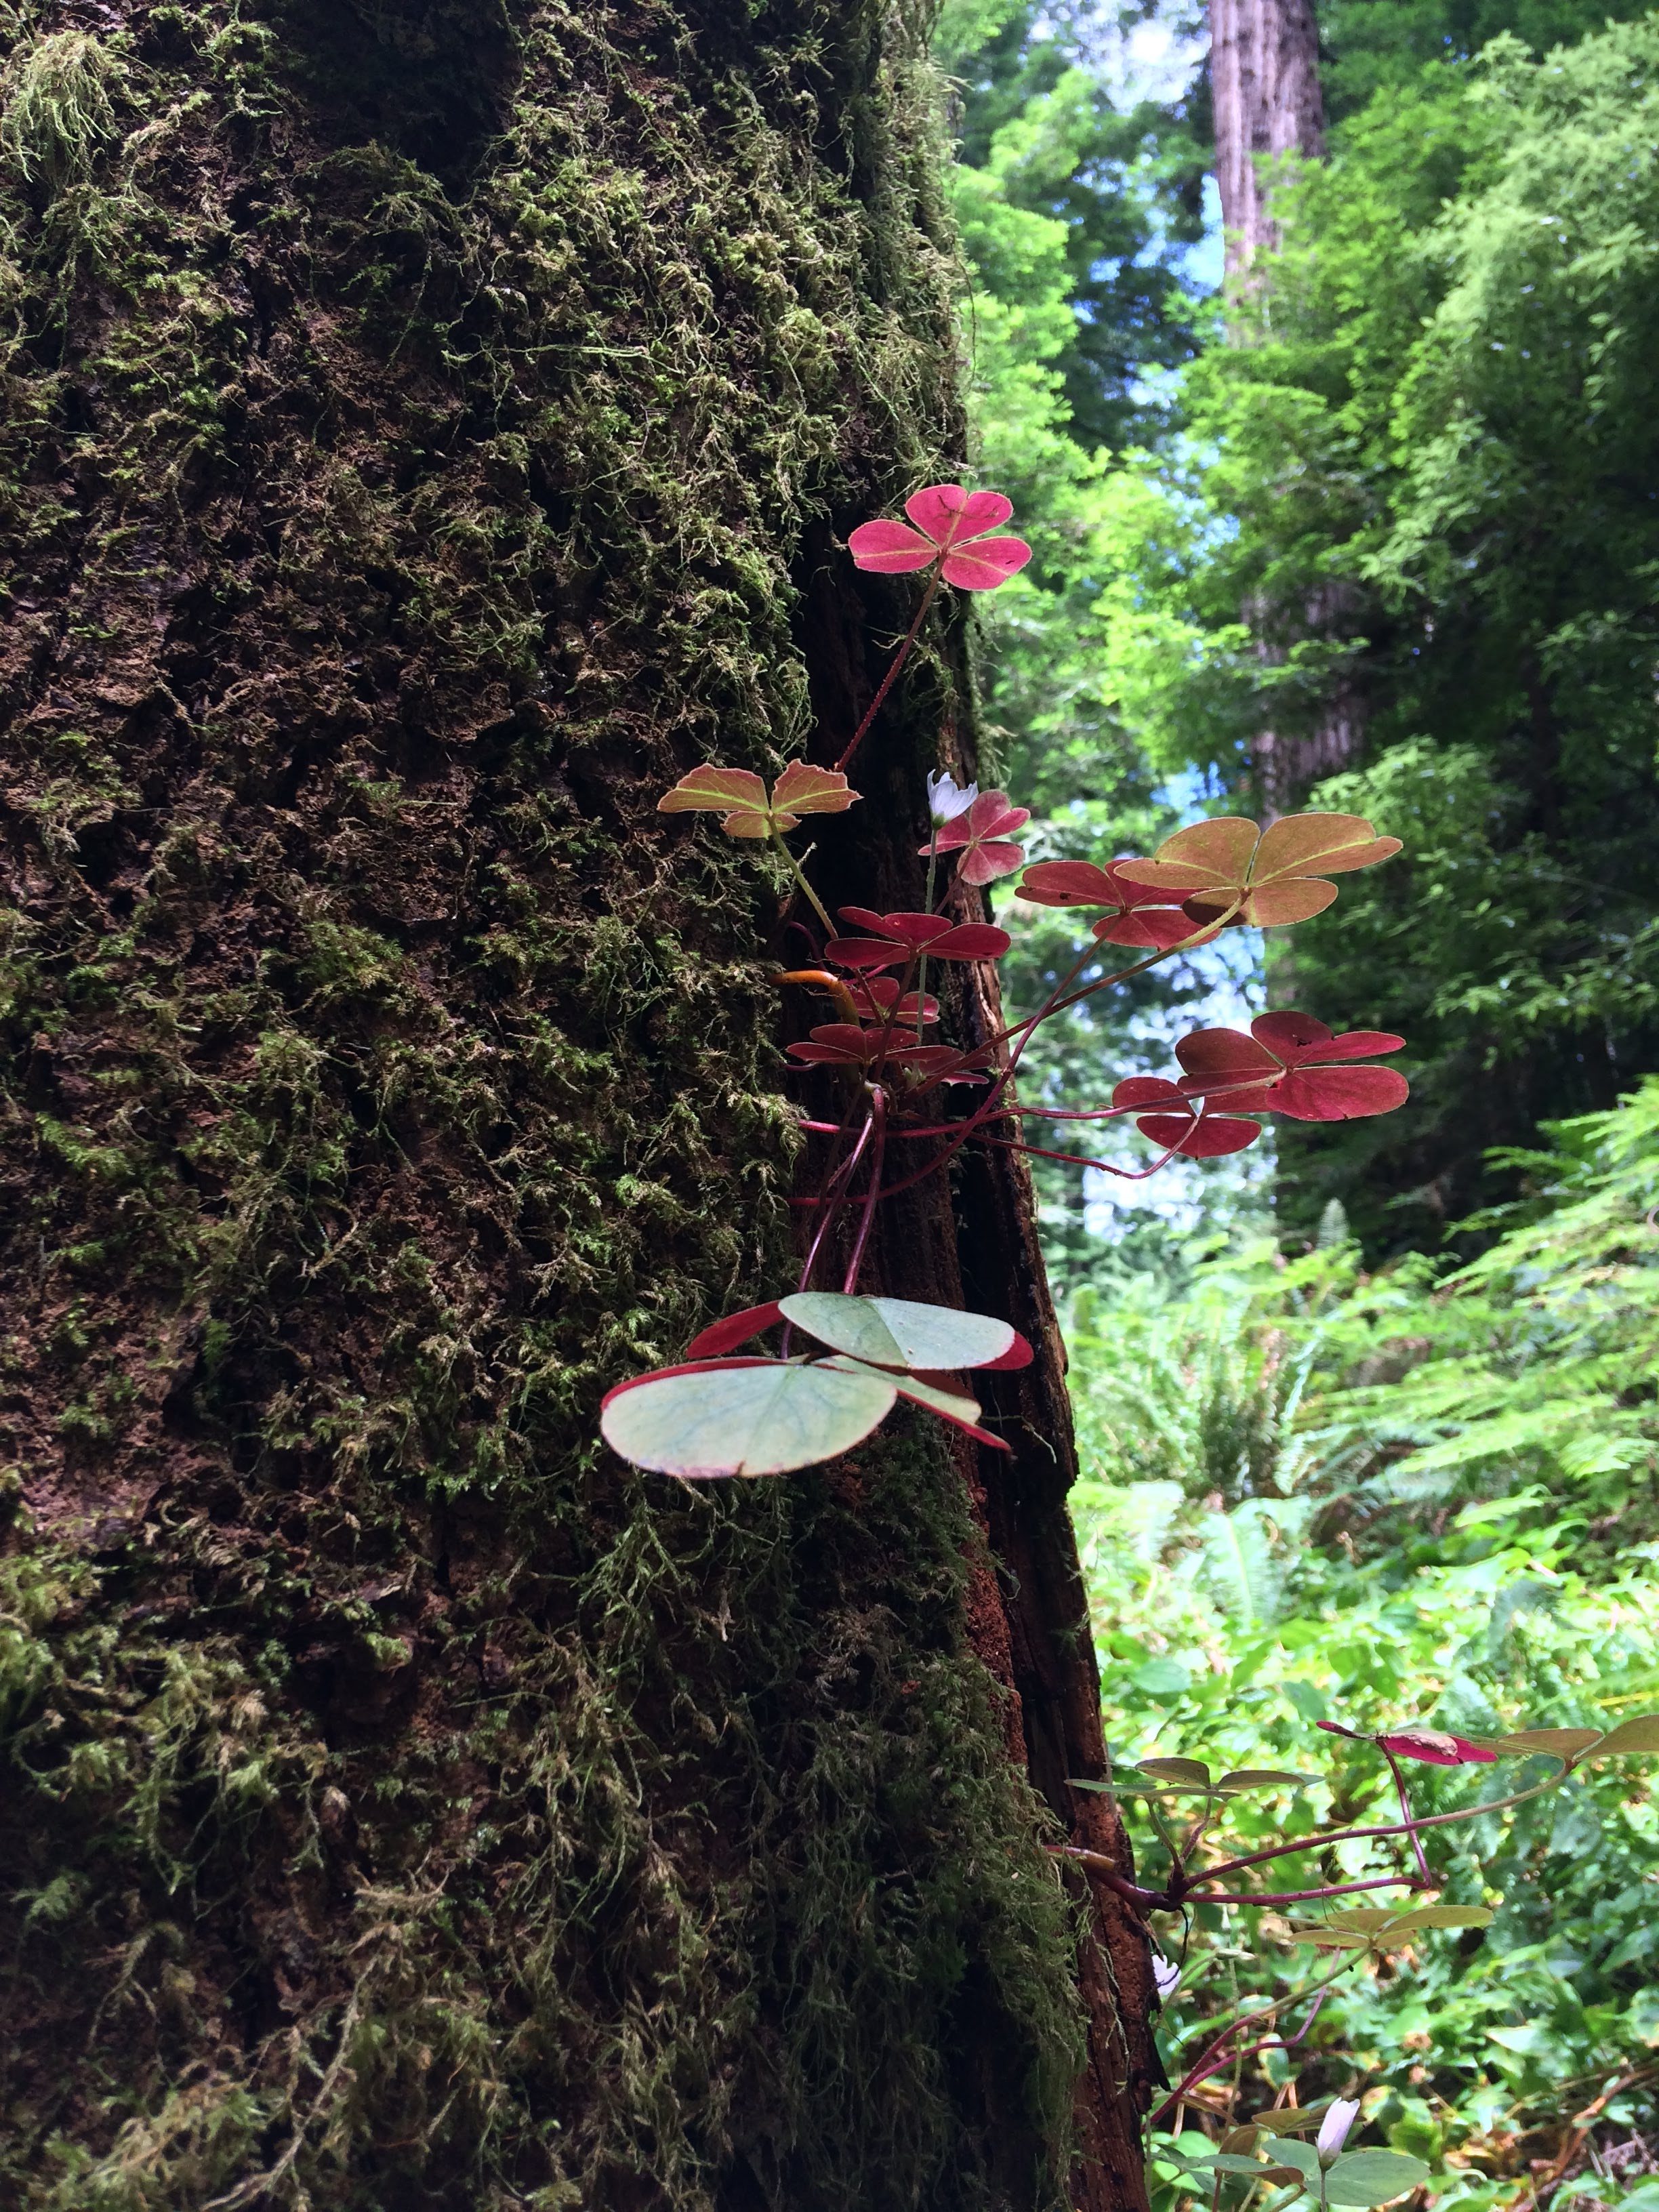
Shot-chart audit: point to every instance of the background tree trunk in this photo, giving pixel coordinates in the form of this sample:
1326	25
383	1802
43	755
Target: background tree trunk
1264	72
428	431
1264	77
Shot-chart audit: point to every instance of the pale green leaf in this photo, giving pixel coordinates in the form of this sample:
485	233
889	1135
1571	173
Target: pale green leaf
899	1332
764	1419
1373	2177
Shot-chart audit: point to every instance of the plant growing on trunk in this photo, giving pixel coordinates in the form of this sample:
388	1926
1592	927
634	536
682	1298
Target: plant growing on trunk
725	1409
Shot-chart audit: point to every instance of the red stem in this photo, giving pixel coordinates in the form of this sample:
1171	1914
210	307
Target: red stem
877	1122
887	681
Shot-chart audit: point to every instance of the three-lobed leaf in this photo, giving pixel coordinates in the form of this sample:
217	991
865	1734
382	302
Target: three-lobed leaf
739	797
1229	869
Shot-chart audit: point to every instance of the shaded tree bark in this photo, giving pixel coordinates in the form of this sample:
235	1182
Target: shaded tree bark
428	430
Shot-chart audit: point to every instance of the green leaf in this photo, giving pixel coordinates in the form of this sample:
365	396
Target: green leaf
759	1417
949	1405
1303	2156
1260	1777
1561	1743
1291	2119
1188	1772
1373	2177
1162	1678
899	1332
1636	1737
1440	1916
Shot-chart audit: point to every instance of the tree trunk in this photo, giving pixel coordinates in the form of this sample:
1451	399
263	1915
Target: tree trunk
1264	78
428	430
1264	73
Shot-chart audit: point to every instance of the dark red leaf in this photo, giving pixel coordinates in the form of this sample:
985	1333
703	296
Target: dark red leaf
737	1328
1149	1091
1019	1354
1211	1138
862	952
1147	929
1339	1094
971	941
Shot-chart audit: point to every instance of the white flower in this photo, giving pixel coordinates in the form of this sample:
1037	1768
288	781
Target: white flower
1167	1977
1334	2128
946	799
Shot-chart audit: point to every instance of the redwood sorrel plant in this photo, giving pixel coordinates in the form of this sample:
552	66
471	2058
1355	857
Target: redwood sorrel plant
911	1100
726	1410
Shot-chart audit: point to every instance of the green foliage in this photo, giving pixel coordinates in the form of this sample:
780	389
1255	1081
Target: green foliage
1424	476
1366	46
1063	198
1409	1497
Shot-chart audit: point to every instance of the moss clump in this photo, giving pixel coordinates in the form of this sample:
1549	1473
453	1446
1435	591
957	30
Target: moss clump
421	435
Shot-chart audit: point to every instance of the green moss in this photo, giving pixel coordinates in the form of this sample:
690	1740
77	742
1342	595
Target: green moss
431	440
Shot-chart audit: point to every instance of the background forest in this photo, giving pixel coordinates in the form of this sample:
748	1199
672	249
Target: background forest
1369	1434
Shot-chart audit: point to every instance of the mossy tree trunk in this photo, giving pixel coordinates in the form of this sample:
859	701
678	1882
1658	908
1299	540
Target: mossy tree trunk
428	430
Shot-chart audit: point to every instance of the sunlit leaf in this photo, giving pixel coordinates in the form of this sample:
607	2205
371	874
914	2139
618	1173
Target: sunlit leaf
1373	2177
739	797
803	789
1185	1771
900	1332
1638	1736
1260	1777
1268	878
743	1417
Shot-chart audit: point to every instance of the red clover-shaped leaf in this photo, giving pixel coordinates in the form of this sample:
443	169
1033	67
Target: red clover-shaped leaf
1135	913
981	836
1179	1125
951	527
890	939
1291	1064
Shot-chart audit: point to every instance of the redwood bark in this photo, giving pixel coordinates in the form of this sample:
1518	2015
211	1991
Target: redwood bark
1264	76
428	429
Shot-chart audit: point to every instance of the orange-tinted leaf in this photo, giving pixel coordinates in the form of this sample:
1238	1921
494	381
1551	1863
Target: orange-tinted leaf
1206	854
717	790
1319	845
803	789
1275	906
739	796
1227	869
